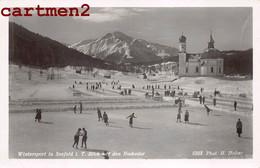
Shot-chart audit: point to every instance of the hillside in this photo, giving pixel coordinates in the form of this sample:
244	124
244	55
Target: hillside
238	62
28	48
119	48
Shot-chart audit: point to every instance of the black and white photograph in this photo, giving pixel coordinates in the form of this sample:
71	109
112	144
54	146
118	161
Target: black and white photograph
146	83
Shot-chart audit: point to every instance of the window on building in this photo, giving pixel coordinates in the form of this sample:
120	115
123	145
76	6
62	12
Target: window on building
186	69
219	70
197	69
211	70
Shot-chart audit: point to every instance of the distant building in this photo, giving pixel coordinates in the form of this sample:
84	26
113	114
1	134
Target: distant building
208	63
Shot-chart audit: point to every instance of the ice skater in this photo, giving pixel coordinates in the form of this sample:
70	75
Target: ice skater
99	114
76	138
207	109
200	99
84	138
105	118
179	115
214	101
239	127
186	116
80	107
203	99
38	115
131	119
75	109
235	105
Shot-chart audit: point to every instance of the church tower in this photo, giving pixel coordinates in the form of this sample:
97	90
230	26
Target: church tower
211	41
182	55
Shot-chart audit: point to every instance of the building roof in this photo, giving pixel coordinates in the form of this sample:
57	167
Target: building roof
211	53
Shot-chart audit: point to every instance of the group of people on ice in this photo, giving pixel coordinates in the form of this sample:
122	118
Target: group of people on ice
202	100
84	138
186	116
104	117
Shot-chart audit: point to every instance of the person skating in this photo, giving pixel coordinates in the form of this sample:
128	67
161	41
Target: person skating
75	109
131	119
186	116
105	118
99	114
37	110
80	107
76	138
214	101
207	109
203	99
235	105
38	115
180	103
179	115
84	138
239	127
200	99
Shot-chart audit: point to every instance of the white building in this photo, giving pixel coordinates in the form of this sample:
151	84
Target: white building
208	63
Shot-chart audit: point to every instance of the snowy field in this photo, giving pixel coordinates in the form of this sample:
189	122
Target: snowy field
156	134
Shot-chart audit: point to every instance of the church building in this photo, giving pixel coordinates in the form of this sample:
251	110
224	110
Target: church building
208	63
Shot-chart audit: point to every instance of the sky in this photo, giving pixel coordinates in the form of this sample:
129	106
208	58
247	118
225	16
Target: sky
231	27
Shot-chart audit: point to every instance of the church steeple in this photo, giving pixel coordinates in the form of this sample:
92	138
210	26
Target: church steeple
211	41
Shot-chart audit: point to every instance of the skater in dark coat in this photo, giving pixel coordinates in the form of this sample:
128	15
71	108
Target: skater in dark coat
203	99
180	103
200	99
179	115
38	115
235	105
80	107
214	101
75	109
186	116
131	119
207	109
239	127
84	138
105	118
99	114
76	138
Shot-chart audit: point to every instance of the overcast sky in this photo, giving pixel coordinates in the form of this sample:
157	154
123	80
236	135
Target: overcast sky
231	27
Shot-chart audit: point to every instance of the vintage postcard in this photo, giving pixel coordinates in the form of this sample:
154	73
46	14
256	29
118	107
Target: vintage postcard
87	82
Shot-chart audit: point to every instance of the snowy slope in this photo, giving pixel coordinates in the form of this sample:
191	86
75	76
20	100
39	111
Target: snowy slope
155	133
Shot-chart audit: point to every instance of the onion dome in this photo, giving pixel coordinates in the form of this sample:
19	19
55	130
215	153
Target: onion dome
182	39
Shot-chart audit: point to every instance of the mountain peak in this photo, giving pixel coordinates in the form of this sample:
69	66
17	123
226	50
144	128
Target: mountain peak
118	33
118	48
122	36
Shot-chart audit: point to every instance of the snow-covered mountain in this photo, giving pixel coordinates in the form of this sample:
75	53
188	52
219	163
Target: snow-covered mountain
119	48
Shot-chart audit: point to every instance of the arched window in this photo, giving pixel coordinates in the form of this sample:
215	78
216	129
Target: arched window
211	69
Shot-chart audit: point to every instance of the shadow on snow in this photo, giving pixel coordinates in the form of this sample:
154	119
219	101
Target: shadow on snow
113	126
46	122
197	124
142	128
